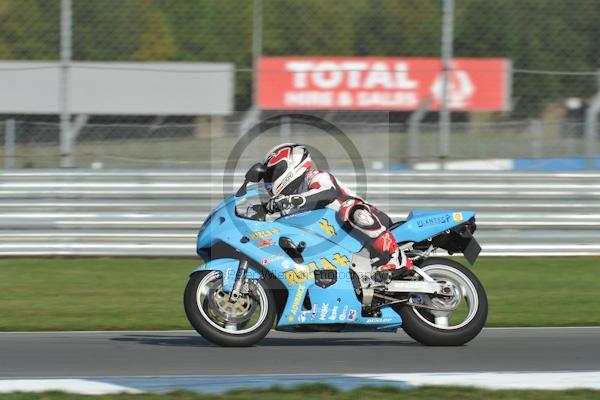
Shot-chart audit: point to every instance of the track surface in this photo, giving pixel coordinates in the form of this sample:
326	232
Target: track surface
170	353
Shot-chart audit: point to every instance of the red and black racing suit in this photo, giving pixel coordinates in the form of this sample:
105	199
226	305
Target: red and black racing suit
320	189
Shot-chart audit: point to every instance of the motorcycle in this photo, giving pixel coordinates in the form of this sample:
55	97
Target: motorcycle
304	272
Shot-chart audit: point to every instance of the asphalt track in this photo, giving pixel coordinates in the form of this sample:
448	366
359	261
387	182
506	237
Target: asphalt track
184	353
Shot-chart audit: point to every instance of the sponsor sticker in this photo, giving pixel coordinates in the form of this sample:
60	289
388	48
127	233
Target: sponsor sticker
324	224
378	320
457	217
296	303
433	221
270	259
265	233
313	312
302	316
352	314
262	243
333	315
324	312
340	260
344	313
304	272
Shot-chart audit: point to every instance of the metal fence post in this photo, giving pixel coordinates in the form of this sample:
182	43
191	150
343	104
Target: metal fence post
444	121
66	139
536	139
285	130
414	148
253	114
257	31
591	127
9	143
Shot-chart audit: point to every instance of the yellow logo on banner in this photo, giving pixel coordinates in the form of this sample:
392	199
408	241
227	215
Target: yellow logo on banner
324	224
458	217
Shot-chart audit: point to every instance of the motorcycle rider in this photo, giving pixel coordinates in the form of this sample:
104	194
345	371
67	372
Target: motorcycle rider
296	185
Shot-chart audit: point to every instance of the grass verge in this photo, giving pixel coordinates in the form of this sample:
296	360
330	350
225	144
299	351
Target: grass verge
139	294
318	392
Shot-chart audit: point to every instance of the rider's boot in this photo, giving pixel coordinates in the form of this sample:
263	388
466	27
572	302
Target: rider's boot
391	258
396	268
397	261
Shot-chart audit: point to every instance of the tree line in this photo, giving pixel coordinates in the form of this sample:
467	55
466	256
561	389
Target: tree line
544	35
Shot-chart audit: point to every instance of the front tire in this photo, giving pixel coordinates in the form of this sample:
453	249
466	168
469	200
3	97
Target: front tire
239	324
434	328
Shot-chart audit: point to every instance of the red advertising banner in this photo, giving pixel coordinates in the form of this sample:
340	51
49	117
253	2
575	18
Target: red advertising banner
381	83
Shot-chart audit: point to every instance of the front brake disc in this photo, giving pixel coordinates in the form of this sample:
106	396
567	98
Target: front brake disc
240	311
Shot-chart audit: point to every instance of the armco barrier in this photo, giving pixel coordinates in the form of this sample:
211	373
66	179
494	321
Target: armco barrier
158	212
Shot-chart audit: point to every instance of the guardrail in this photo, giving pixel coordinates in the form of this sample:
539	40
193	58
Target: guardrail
158	212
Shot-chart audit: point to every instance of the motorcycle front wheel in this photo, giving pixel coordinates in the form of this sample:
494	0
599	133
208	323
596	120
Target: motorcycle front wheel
468	304
232	324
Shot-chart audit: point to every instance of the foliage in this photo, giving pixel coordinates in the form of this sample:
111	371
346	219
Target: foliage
534	34
29	29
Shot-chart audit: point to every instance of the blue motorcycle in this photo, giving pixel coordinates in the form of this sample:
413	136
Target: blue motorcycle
305	272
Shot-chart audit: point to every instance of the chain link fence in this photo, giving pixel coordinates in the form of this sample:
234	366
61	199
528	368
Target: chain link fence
552	46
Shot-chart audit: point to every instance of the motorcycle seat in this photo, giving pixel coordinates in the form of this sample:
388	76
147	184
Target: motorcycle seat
395	225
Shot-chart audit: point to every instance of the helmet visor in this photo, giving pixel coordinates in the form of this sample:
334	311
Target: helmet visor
273	173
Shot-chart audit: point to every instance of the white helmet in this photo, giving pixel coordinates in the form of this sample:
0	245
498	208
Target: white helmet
286	166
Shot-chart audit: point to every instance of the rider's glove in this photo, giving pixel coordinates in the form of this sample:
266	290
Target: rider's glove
275	203
284	204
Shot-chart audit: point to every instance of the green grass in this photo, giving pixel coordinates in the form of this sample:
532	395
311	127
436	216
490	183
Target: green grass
130	294
318	392
92	294
549	291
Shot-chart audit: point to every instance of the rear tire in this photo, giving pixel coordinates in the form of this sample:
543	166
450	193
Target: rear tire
420	324
208	328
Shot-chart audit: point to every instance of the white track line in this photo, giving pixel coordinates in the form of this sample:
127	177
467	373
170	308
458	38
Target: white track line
562	380
79	386
497	380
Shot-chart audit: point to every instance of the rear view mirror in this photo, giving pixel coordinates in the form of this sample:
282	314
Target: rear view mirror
256	173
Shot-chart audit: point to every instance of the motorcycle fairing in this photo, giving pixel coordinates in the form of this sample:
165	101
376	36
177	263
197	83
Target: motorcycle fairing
325	224
228	268
421	225
328	246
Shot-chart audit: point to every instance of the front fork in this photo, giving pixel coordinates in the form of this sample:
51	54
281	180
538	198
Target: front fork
240	280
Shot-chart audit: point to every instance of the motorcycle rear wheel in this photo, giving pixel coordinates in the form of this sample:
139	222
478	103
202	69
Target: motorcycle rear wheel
239	324
434	328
